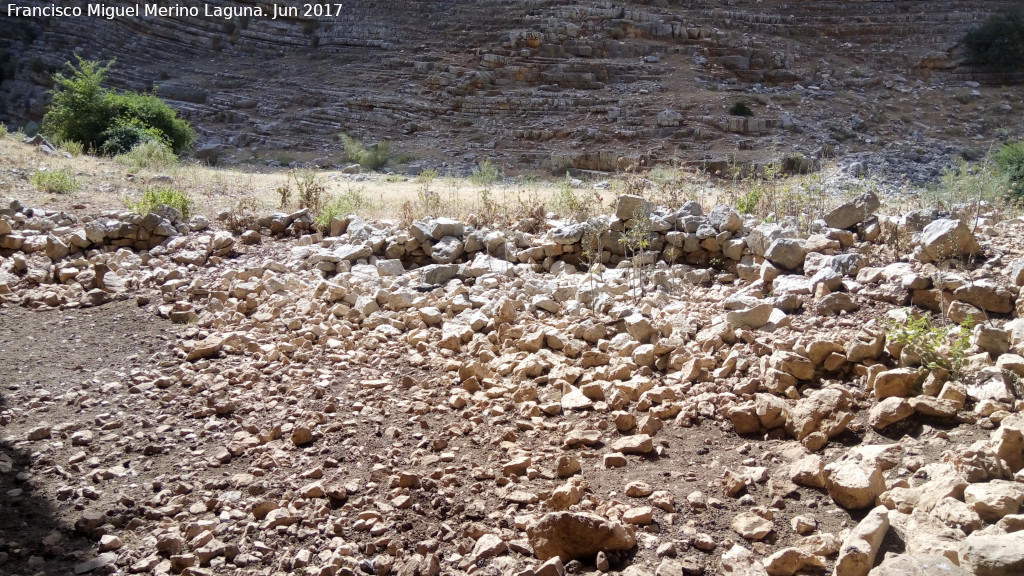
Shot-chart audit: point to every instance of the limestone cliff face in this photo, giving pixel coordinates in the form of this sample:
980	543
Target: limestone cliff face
525	81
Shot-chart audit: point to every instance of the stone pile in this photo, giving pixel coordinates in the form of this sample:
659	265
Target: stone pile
445	400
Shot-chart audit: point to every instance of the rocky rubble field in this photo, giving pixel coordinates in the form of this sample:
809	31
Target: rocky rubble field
661	391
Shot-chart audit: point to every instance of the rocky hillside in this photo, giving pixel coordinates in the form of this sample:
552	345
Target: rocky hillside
553	84
663	390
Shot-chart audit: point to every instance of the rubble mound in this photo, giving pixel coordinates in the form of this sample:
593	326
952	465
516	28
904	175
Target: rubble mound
728	396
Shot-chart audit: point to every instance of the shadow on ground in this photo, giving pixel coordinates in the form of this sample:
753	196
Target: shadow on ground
32	538
44	355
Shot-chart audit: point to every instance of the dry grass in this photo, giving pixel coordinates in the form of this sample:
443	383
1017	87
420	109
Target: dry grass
107	183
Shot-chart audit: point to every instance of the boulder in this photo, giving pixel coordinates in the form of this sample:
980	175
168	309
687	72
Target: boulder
439	228
739	561
889	411
825	411
754	317
860	548
993	554
853	212
725	218
1008	441
987	295
946	238
917	565
995	499
898	382
786	253
854	481
628	207
751	526
789	561
577	536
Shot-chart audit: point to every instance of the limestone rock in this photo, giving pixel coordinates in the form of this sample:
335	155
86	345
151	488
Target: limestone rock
889	411
859	549
789	561
993	554
1008	441
572	536
995	499
725	218
917	565
628	206
751	526
853	212
946	238
786	253
738	561
636	444
898	382
754	317
854	482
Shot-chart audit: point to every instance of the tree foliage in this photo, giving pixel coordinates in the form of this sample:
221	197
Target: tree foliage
106	121
998	44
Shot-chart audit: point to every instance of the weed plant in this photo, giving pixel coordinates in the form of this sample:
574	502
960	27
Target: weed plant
148	155
352	201
155	197
485	175
942	346
60	181
372	157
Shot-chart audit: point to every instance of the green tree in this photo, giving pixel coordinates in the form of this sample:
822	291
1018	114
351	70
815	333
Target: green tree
80	111
108	122
998	44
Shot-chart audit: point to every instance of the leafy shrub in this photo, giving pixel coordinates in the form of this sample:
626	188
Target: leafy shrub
932	344
998	44
747	204
371	158
127	133
154	113
1010	160
107	122
567	202
741	108
427	176
3	130
349	202
154	198
152	155
71	147
56	181
485	174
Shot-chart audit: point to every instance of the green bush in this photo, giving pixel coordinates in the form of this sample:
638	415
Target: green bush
153	113
741	108
371	158
127	133
567	202
55	181
936	346
1010	160
485	174
71	147
349	202
154	198
152	155
107	122
312	191
998	44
